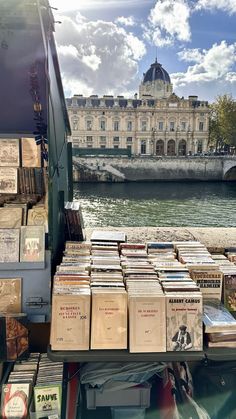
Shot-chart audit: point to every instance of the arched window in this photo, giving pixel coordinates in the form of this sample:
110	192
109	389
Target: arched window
160	148
75	124
182	148
171	148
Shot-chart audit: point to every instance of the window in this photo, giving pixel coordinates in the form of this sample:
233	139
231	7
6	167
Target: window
103	139
103	125
201	126
89	125
144	125
172	126
75	124
129	147
89	146
160	126
199	146
116	139
74	112
116	146
129	139
116	125
89	139
102	146
129	126
183	126
143	147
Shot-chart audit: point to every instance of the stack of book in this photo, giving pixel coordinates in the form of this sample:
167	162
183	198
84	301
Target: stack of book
17	391
109	298
219	324
48	387
204	270
70	323
231	254
74	221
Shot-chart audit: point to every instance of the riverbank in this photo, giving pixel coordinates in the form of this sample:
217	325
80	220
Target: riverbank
215	239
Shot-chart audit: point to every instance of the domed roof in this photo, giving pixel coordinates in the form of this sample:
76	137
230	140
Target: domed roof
156	72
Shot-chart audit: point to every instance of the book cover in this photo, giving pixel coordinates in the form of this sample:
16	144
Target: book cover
31	153
184	322
38	216
13	336
109	319
217	318
230	292
9	245
8	180
32	244
70	325
9	152
209	282
10	295
147	323
48	398
15	400
11	217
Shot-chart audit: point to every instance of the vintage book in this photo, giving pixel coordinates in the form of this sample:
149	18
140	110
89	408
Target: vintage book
31	153
16	205
70	324
32	244
9	245
230	292
38	216
184	322
15	400
11	217
222	337
209	282
109	319
9	152
8	180
217	318
147	323
13	336
48	398
10	295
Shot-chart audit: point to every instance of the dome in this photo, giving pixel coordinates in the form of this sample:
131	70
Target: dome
156	72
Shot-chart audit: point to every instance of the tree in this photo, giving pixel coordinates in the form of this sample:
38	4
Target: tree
222	129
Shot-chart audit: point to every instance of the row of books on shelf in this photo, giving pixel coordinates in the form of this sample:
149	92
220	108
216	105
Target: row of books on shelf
15	214
19	152
33	389
146	297
24	244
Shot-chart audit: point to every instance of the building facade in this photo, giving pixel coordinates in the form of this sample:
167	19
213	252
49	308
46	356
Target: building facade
157	123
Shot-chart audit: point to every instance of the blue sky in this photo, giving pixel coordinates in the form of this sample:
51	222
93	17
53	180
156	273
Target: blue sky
105	46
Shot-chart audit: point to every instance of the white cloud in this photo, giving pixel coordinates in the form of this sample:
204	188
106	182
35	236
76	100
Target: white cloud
169	20
97	57
225	5
126	21
189	55
213	69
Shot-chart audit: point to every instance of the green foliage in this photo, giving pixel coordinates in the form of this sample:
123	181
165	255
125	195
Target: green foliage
222	130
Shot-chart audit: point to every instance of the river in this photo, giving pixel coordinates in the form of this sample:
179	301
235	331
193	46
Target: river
158	204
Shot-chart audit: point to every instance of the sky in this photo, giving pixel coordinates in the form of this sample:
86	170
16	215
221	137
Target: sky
105	46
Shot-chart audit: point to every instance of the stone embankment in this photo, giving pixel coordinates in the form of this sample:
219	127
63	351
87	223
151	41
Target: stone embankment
216	239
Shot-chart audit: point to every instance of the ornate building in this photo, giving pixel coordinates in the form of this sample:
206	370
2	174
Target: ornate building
156	123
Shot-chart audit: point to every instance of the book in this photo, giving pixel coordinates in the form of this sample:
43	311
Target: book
9	152
209	282
9	245
70	325
31	153
230	292
147	323
11	217
48	398
217	318
23	206
15	400
109	319
13	336
184	322
32	244
10	295
8	180
38	216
